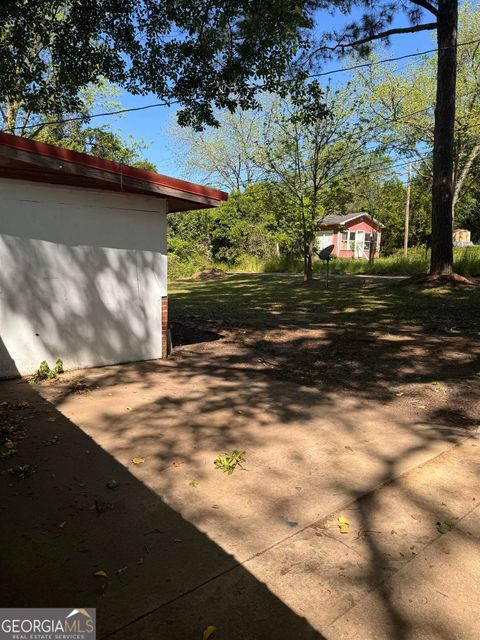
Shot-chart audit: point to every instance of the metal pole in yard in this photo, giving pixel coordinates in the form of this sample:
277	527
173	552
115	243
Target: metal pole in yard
407	212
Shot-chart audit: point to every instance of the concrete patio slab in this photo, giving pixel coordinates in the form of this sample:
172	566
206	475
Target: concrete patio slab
236	551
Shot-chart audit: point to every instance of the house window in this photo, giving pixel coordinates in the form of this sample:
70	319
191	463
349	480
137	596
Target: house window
325	239
348	241
351	240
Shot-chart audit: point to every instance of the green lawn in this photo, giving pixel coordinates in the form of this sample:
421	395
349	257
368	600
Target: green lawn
264	300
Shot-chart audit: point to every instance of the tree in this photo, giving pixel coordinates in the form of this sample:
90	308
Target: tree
72	131
208	54
252	223
203	54
374	25
402	104
369	185
305	142
222	155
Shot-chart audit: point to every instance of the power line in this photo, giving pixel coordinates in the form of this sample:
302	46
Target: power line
93	115
385	60
362	148
170	103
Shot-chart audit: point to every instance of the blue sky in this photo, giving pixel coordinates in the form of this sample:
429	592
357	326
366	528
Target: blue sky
153	124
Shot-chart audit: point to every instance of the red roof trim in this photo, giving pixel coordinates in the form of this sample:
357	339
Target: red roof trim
344	224
75	157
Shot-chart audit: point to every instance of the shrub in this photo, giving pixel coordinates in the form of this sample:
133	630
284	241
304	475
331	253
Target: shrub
45	373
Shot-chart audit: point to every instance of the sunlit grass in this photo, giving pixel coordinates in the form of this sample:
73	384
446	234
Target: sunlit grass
261	299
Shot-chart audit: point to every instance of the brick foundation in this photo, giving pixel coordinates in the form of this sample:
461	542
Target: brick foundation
164	326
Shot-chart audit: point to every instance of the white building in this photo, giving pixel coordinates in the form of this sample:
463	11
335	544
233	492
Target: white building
83	257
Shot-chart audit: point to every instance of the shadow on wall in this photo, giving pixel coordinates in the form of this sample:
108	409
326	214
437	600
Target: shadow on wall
85	305
62	523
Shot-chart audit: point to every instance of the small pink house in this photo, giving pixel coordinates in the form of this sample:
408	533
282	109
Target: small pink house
353	235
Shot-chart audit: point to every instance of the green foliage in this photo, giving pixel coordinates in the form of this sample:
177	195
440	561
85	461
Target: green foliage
45	373
228	462
73	132
202	55
252	225
263	301
284	264
405	99
97	141
466	262
58	367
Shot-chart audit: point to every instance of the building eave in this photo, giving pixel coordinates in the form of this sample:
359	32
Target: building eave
22	158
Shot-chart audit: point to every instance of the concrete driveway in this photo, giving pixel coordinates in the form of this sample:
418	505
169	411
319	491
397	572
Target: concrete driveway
257	554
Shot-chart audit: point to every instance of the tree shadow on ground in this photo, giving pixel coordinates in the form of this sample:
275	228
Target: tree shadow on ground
61	523
367	340
183	412
178	561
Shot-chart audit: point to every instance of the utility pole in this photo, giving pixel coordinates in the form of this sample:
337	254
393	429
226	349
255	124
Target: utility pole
407	211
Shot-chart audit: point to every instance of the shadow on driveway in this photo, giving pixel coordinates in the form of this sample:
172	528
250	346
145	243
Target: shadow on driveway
61	524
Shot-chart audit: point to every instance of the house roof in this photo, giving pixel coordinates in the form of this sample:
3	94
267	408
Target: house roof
334	219
27	159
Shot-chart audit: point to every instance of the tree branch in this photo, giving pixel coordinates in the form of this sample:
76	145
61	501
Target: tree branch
474	153
426	5
378	36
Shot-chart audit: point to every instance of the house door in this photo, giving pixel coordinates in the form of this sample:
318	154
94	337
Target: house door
360	244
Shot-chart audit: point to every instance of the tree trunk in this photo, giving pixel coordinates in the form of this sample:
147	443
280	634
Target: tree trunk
441	263
309	269
473	155
305	244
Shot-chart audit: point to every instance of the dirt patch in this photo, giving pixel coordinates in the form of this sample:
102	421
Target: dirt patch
209	274
430	282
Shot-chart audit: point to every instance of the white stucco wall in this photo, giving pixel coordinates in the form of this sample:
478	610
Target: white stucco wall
82	274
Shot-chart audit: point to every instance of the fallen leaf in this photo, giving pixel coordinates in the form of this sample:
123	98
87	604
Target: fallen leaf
101	574
138	460
444	527
7	454
102	505
400	394
21	471
209	631
343	524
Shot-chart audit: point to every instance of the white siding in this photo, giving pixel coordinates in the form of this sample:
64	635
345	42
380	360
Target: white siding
82	274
